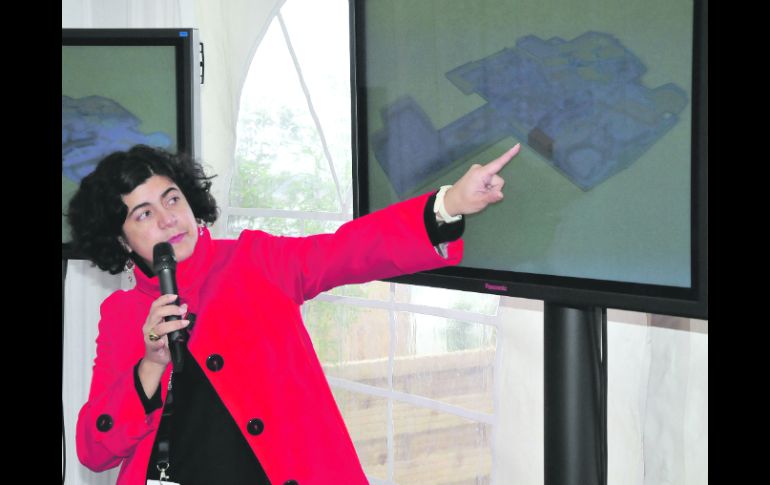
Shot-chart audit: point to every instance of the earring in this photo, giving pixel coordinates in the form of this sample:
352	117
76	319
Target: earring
129	270
200	229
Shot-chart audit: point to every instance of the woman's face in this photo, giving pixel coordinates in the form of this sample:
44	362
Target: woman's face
157	212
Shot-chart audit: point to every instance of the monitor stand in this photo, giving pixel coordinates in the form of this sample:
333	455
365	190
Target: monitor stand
575	392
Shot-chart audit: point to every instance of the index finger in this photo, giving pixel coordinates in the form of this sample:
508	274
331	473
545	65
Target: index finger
164	300
498	163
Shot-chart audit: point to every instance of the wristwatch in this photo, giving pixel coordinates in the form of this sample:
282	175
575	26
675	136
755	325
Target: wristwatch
440	210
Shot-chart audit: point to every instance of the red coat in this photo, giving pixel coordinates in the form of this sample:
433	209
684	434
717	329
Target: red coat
247	294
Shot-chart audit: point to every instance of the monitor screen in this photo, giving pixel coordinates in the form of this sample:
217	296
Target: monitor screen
122	87
605	98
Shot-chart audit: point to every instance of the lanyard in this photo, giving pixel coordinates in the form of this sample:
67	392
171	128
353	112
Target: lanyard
163	439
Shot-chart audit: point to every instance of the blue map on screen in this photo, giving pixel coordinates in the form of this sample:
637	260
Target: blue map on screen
92	127
579	104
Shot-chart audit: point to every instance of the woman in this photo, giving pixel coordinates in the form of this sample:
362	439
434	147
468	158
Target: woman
252	404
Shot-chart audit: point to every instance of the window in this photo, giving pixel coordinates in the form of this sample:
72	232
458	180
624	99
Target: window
412	368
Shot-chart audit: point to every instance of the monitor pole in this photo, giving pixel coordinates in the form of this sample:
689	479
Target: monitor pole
575	383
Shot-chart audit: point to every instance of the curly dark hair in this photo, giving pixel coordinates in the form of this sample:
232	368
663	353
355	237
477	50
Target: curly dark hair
97	212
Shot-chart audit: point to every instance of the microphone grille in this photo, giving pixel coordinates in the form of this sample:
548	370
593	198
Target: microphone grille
163	257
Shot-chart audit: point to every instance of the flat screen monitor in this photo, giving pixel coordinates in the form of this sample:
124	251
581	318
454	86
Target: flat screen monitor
607	202
122	87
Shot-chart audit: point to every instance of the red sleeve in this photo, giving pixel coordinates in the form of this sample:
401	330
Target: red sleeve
113	420
389	242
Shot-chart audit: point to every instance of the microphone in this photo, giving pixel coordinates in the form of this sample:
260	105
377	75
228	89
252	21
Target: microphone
164	266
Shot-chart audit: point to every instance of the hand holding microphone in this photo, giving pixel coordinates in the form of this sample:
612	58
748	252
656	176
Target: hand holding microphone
164	266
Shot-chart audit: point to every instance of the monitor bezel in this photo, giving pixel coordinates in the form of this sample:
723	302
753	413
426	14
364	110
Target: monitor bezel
187	65
689	302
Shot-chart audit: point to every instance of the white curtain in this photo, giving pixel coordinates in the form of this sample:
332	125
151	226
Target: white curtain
231	31
657	400
127	13
85	287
